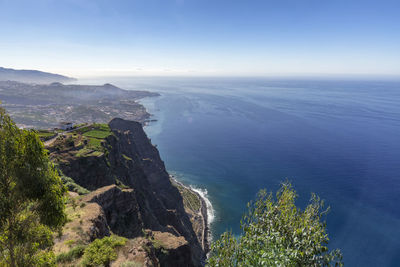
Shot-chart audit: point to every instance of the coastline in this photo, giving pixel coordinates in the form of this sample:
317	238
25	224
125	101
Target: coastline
206	211
203	213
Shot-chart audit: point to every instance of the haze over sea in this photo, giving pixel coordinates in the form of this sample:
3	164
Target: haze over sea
339	139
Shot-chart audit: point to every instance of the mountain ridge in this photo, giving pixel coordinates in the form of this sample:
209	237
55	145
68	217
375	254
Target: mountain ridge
32	76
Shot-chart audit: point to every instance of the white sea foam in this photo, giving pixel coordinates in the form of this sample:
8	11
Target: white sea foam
203	193
210	210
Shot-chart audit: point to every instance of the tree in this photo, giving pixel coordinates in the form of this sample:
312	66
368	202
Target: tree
31	198
277	233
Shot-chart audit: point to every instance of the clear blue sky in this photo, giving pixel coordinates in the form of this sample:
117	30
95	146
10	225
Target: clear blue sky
201	37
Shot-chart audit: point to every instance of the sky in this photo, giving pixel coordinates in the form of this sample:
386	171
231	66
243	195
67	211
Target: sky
201	37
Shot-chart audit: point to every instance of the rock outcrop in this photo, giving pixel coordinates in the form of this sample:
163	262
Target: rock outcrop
133	194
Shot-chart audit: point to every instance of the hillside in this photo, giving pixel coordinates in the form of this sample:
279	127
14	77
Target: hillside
119	187
32	76
45	105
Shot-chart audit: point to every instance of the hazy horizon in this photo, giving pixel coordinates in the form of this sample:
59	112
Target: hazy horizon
201	38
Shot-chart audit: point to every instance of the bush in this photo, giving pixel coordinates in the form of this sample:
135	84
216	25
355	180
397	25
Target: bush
277	233
72	186
102	251
71	255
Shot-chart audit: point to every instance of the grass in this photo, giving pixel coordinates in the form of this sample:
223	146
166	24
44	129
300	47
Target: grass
157	244
131	264
126	157
80	125
97	134
95	154
93	139
44	133
84	142
83	152
71	255
190	199
121	184
82	130
102	128
70	243
95	144
86	152
72	186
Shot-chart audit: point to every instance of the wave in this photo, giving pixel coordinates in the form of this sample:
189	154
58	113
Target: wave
203	193
210	210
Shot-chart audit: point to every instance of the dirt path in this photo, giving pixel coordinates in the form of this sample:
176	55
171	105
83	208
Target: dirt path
51	141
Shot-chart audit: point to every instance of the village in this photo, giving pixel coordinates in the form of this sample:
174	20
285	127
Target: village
45	106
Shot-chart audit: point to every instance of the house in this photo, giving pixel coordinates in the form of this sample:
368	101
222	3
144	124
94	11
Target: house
66	125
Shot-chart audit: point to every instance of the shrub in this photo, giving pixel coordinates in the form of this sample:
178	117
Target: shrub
277	233
102	251
72	186
71	255
70	141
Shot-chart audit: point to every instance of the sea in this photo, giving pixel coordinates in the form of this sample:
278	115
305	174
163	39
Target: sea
339	138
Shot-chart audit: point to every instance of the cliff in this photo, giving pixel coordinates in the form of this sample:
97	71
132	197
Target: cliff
131	196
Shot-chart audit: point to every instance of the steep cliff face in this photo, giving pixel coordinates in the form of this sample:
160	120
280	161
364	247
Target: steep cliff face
144	199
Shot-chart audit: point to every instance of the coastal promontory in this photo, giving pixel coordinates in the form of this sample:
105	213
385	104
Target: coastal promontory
119	188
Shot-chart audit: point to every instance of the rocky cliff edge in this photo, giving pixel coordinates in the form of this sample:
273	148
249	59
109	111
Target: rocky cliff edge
125	190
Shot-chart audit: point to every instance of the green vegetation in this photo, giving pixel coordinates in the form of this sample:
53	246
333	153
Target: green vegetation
70	141
93	129
94	136
71	185
121	184
95	154
86	152
102	251
79	125
126	157
83	152
73	254
31	198
98	133
45	133
190	199
277	233
82	130
160	248
95	144
70	242
131	264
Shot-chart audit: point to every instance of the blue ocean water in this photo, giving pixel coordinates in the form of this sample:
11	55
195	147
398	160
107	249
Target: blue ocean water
339	139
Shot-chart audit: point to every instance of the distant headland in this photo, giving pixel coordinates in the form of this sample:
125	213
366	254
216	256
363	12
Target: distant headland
32	76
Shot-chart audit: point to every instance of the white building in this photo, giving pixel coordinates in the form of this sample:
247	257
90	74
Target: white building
66	125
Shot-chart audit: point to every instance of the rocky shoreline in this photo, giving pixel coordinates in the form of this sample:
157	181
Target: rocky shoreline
206	233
